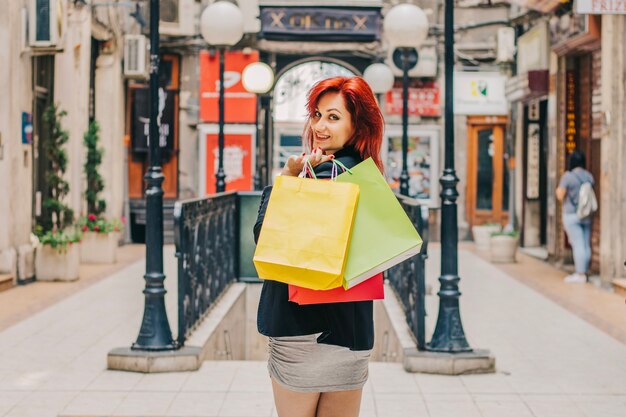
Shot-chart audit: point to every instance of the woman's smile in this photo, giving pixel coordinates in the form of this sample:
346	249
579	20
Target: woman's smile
331	123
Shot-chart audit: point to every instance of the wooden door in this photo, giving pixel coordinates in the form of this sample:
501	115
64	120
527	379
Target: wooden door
138	163
487	177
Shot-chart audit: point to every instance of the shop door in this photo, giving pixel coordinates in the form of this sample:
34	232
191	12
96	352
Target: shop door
487	178
137	121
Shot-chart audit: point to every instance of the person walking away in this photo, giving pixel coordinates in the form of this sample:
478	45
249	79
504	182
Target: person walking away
578	228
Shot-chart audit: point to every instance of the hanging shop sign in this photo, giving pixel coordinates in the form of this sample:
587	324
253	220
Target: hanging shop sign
571	113
600	6
320	23
423	100
532	161
239	104
140	119
480	93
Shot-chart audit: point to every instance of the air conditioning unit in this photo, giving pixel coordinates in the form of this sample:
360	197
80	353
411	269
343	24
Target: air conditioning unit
176	17
45	23
427	63
135	56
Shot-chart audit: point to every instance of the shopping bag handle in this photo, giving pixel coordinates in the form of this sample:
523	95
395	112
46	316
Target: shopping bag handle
308	168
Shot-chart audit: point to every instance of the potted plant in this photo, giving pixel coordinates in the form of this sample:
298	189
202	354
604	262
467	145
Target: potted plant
482	235
57	257
504	246
100	235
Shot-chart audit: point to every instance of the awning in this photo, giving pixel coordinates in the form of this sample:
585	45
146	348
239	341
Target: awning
528	86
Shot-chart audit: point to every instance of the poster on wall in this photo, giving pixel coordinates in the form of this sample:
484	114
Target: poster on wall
423	100
237	162
140	119
533	161
239	104
418	164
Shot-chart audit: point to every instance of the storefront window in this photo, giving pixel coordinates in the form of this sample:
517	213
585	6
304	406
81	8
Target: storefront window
419	164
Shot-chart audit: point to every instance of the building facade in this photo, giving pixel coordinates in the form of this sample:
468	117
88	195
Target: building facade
71	57
564	97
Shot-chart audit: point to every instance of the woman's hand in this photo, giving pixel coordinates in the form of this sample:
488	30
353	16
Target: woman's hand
295	163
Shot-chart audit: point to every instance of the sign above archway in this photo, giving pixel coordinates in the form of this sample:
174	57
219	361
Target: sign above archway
357	24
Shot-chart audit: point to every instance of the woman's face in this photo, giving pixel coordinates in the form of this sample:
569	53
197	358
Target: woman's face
331	124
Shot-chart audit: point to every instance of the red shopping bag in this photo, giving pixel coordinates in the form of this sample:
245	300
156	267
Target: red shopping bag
370	289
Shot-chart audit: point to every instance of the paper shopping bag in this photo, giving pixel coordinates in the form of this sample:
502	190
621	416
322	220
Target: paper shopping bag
370	289
382	235
306	232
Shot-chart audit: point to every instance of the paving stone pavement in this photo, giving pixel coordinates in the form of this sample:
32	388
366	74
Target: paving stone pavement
550	362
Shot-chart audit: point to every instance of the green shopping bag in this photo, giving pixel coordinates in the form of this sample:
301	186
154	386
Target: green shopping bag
382	234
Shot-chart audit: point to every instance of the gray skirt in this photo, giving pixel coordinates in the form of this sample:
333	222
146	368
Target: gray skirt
301	364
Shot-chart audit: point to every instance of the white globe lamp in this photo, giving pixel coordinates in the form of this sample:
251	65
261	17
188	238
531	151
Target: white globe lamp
221	23
379	77
406	26
258	78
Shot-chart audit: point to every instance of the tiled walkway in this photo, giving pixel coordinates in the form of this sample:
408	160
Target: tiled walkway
550	361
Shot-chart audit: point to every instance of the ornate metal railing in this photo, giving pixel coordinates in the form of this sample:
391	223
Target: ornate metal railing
408	279
206	232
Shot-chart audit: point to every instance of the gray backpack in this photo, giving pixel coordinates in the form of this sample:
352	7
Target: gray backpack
587	202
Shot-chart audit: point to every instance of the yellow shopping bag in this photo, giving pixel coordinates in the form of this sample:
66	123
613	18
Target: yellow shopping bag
306	232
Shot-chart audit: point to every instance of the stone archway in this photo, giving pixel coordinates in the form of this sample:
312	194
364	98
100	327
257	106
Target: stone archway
289	98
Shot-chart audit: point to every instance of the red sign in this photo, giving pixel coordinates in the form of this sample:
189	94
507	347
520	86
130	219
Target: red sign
239	104
237	162
423	100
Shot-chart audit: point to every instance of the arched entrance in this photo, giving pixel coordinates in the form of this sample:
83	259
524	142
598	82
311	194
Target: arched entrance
289	99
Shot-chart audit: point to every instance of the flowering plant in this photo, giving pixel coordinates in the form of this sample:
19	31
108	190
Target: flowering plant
93	223
56	239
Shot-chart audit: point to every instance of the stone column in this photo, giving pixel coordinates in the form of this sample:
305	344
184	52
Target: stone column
110	115
613	153
71	93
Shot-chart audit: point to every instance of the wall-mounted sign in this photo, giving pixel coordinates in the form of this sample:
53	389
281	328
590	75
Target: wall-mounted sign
533	49
571	111
533	161
320	23
423	100
239	104
27	128
600	6
480	93
140	119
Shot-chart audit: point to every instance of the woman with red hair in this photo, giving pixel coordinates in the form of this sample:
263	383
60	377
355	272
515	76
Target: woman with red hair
319	354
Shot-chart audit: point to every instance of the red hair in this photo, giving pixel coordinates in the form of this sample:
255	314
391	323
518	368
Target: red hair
367	119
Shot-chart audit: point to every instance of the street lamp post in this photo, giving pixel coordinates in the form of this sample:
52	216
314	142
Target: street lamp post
449	335
406	28
258	78
155	333
221	24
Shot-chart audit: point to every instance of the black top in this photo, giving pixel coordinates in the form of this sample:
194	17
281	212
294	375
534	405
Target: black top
344	324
